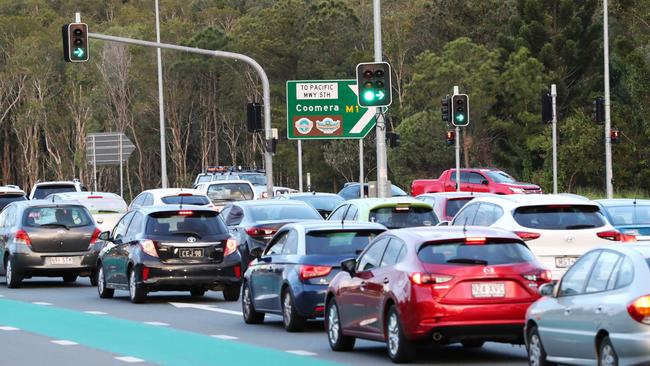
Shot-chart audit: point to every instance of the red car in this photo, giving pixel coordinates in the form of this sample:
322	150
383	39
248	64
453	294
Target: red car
439	284
474	180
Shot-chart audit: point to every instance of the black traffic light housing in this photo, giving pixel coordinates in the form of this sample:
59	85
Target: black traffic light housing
599	109
445	111
373	81
615	136
460	110
450	136
254	117
393	139
547	107
75	42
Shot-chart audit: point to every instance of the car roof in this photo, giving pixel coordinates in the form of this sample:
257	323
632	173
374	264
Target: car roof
47	203
423	234
161	192
78	195
316	225
623	202
374	202
164	208
10	190
270	203
455	194
231	181
310	194
517	200
57	182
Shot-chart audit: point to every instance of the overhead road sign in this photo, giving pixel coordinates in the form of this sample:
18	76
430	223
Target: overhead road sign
107	148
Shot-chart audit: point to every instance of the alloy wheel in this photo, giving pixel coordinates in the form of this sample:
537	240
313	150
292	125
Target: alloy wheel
287	309
607	356
393	334
333	323
247	301
100	280
9	272
534	350
132	288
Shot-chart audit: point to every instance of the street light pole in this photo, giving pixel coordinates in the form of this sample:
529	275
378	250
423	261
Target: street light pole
608	122
382	165
161	107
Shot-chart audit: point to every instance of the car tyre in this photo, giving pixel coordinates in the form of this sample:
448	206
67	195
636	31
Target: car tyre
70	278
251	316
231	292
292	321
473	344
136	293
400	349
338	342
93	278
104	293
536	352
14	279
197	292
606	354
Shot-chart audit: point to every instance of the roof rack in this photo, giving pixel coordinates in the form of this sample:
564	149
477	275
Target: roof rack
220	169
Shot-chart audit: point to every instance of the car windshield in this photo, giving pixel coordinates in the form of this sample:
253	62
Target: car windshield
283	212
60	216
559	217
324	203
185	223
459	253
339	242
500	177
403	216
630	215
204	178
46	190
230	192
455	204
255	179
186	200
6	199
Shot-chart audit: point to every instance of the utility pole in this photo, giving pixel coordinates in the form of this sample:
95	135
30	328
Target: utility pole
361	179
300	165
161	107
382	165
554	104
457	91
608	122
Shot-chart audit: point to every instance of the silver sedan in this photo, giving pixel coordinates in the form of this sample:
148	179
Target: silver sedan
598	314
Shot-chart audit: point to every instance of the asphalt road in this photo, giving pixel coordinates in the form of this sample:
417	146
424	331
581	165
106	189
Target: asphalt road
48	322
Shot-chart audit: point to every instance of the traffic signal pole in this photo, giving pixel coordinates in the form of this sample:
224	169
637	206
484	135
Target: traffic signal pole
457	91
553	99
609	187
382	165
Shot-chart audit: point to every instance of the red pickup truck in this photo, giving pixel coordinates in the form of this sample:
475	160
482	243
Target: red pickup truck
474	180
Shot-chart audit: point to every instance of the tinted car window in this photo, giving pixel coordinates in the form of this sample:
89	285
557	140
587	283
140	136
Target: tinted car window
120	229
186	200
466	216
235	216
255	179
67	216
625	274
403	216
629	215
602	272
338	214
326	203
180	223
6	199
46	190
339	242
475	178
291	244
370	259
392	252
454	205
278	244
135	226
574	281
559	217
230	192
489	254
487	214
351	215
283	212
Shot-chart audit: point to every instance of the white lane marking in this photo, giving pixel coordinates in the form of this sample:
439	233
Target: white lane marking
157	324
224	336
64	342
94	312
42	303
206	307
302	353
129	359
8	328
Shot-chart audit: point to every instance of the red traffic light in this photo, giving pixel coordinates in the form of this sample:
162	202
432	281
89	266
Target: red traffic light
615	136
451	137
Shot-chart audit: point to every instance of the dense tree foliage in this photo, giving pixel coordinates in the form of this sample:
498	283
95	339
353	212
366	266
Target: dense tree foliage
501	52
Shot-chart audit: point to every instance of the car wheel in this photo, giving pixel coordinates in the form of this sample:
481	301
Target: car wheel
104	293
290	318
70	278
93	278
400	349
606	354
248	308
136	293
197	292
472	344
338	342
231	292
13	279
535	348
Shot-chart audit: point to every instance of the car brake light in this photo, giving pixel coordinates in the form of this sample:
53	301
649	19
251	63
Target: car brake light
95	236
185	212
184	195
639	309
149	247
23	238
474	241
237	270
614	235
231	247
420	278
307	272
95	197
260	231
145	273
539	276
402	208
525	236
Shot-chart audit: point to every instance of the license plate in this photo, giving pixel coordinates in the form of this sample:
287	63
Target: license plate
59	260
486	290
190	253
565	262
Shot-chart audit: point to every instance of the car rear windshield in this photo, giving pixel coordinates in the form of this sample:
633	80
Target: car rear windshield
60	216
630	215
339	242
185	223
459	253
559	217
186	200
283	212
403	216
454	205
6	199
44	191
326	203
230	192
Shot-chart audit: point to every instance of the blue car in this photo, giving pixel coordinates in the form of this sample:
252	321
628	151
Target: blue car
629	216
290	277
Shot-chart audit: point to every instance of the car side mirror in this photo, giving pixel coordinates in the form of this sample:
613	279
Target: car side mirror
443	223
105	236
547	289
256	252
485	182
349	266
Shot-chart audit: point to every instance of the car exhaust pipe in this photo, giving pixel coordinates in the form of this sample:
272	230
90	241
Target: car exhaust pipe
437	337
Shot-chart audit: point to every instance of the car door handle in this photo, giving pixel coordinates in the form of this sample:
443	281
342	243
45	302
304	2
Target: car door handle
386	280
567	311
599	309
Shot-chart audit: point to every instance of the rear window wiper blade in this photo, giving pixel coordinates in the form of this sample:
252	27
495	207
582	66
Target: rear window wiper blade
467	261
56	225
580	226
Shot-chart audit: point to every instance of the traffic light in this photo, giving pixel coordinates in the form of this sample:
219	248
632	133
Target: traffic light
599	109
615	136
460	110
373	80
254	117
445	110
393	139
75	42
451	137
547	107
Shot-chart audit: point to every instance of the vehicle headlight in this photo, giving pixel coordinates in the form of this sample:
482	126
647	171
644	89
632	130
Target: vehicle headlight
516	190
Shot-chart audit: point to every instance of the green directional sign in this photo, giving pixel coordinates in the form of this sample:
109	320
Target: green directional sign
326	109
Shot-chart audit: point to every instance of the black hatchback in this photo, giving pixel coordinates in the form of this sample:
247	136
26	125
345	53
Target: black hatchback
42	238
169	248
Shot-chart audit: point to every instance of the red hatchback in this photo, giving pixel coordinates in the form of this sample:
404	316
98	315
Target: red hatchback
440	285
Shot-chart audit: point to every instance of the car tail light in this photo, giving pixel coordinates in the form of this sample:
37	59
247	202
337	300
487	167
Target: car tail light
95	197
149	247
260	231
471	241
420	278
95	236
639	309
307	272
319	309
145	273
525	236
540	277
237	270
614	235
231	247
23	238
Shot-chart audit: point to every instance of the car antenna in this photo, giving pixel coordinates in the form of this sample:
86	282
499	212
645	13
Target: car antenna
465	227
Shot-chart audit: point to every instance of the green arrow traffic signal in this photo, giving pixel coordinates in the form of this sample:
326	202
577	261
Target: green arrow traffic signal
75	42
79	52
373	81
460	108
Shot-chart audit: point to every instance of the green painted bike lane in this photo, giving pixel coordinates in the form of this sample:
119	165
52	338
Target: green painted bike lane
164	346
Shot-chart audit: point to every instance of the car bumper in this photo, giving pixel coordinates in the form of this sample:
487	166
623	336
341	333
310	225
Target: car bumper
310	300
632	348
36	264
160	277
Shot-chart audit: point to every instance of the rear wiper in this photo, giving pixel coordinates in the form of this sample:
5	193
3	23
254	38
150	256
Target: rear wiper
56	225
580	226
468	261
187	233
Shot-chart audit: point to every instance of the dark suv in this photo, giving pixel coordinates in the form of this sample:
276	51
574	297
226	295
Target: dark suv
169	248
42	238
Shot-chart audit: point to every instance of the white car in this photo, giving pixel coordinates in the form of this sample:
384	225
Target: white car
557	228
223	192
170	196
106	208
10	193
41	190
